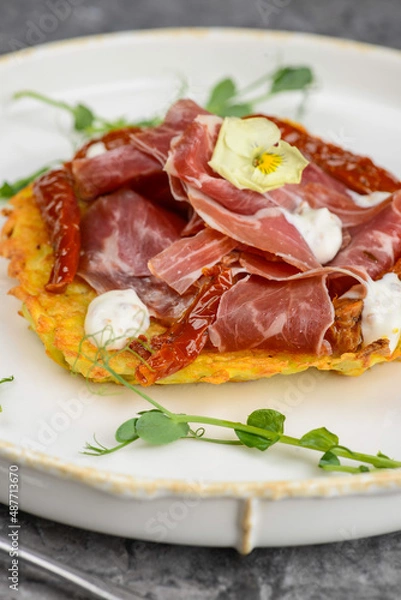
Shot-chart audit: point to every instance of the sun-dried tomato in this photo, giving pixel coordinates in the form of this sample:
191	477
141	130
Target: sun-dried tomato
60	211
182	343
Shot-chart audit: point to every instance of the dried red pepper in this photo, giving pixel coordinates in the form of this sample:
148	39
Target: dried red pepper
60	211
182	343
359	173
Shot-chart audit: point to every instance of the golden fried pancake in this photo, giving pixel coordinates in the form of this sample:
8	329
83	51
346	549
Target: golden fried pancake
58	320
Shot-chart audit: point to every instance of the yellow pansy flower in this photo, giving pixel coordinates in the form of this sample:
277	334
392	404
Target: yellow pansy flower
250	154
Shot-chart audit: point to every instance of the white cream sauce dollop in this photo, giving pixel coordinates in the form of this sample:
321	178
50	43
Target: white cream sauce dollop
113	318
321	229
381	314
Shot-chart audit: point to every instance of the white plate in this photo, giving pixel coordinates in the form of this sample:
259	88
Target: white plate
188	492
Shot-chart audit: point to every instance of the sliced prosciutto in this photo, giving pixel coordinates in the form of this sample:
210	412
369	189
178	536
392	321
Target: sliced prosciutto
314	174
267	230
182	263
247	216
120	234
156	141
276	315
112	170
340	204
376	245
137	156
270	269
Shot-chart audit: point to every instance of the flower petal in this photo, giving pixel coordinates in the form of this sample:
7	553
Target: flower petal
243	136
241	155
289	171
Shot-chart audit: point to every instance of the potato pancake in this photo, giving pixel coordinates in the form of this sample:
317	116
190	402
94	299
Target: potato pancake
58	320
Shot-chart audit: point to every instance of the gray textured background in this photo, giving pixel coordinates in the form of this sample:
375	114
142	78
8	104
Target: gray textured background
361	569
23	22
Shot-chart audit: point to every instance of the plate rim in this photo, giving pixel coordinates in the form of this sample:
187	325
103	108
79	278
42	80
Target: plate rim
101	38
120	484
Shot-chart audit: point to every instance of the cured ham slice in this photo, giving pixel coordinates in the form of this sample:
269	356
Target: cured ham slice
182	263
278	315
156	141
267	229
314	174
125	231
342	205
120	233
247	216
113	169
135	156
270	269
376	245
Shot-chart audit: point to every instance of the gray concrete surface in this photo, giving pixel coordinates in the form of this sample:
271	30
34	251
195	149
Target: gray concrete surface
361	569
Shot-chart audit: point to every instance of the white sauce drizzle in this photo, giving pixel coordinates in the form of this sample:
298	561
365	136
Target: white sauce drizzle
321	229
381	314
113	318
96	149
368	200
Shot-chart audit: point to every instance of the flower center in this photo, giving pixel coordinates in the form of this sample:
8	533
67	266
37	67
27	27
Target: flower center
267	162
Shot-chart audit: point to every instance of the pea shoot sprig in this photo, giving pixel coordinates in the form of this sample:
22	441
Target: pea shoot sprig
85	120
8	189
225	99
263	428
4	380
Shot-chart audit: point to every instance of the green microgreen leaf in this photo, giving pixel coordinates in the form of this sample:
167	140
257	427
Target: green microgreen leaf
381	455
127	431
83	117
331	462
265	418
236	110
226	100
252	440
319	439
158	429
220	94
8	190
4	380
329	459
288	79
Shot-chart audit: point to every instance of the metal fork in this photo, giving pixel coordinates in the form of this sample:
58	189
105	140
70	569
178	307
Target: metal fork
96	587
